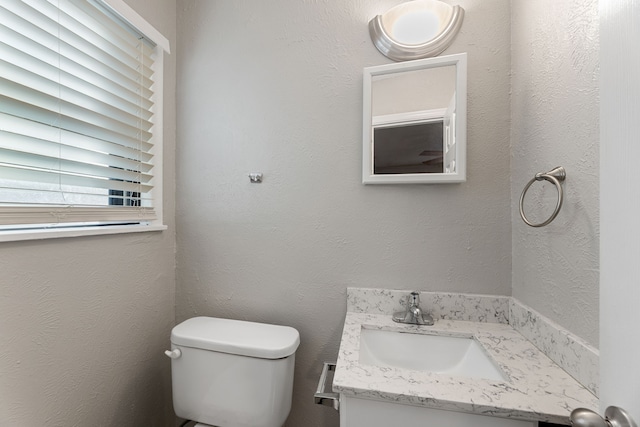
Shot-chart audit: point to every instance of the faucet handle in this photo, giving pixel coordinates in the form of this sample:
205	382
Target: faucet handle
413	300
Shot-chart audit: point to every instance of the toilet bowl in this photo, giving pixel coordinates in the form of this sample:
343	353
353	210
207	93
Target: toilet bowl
232	373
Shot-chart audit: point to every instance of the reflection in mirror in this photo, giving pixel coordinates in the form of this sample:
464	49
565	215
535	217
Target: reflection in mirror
409	148
414	122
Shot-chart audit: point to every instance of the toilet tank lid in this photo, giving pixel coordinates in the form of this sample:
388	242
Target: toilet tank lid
239	337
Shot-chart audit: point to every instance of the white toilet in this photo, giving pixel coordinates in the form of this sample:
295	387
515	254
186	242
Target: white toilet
231	373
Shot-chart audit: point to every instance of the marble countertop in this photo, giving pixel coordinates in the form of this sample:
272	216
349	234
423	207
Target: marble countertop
537	388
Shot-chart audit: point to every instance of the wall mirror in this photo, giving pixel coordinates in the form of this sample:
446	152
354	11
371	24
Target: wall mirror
414	122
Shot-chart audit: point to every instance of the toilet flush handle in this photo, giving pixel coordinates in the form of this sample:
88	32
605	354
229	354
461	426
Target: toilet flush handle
174	354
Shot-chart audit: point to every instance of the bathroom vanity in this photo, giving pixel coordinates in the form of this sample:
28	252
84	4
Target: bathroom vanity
456	373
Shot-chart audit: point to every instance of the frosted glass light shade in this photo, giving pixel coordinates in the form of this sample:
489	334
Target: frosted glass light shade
416	29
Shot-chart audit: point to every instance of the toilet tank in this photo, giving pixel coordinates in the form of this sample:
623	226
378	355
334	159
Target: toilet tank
233	373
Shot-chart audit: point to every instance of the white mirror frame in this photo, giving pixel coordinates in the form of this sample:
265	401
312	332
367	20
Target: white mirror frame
460	174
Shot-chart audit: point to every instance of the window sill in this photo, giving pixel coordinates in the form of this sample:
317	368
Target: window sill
18	235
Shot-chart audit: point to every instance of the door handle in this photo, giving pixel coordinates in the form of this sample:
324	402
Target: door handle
613	417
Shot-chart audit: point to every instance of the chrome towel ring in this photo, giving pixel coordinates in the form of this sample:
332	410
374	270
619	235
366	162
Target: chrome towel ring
554	176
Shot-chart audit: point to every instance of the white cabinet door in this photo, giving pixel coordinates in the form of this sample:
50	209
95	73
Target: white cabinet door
355	412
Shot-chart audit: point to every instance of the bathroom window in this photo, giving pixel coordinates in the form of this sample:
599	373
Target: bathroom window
80	119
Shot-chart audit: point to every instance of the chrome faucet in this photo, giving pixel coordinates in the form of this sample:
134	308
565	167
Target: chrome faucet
413	314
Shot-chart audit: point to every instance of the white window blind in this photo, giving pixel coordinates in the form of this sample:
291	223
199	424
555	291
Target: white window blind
78	127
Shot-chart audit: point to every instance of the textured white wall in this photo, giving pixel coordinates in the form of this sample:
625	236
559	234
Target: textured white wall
555	122
84	321
276	87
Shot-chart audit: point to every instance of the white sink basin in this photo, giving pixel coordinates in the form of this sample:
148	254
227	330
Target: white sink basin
434	353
